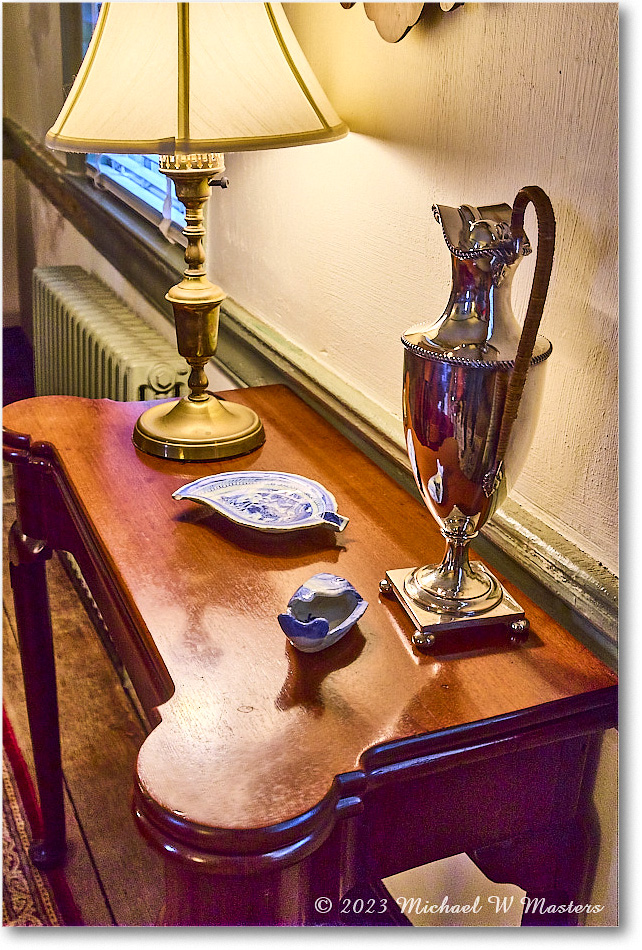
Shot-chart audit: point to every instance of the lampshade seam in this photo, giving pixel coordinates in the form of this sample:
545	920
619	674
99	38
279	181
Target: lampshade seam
183	72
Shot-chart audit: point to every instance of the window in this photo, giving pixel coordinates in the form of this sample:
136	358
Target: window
135	179
89	14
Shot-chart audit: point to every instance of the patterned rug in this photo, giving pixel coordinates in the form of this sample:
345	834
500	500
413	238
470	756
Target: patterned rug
30	898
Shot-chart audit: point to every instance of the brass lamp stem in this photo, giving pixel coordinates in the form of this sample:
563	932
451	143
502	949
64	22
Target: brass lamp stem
200	426
194	227
195	300
194	275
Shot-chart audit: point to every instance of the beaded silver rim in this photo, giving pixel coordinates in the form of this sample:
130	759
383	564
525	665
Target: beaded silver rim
490	365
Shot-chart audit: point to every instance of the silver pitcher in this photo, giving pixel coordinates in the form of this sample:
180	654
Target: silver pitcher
473	382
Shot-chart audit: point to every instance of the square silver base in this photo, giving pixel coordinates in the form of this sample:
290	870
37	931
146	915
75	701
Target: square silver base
430	624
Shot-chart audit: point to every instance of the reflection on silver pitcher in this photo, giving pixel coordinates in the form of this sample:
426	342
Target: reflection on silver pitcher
473	382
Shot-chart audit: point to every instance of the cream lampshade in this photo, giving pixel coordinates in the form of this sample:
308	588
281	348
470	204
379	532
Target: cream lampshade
189	81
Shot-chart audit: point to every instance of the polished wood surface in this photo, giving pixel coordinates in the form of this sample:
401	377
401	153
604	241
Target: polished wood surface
259	750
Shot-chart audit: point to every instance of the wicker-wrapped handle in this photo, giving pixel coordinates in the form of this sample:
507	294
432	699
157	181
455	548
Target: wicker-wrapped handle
541	277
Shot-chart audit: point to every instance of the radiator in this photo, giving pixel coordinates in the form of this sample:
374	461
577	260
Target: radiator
87	342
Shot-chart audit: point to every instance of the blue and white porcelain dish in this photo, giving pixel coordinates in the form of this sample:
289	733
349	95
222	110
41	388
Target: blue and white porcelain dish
266	501
320	612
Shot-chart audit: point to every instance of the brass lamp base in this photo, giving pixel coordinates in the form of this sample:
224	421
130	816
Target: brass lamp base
198	430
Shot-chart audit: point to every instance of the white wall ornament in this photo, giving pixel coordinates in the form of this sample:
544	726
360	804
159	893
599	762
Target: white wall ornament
395	20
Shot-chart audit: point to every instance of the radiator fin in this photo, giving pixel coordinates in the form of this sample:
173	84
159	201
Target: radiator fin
88	342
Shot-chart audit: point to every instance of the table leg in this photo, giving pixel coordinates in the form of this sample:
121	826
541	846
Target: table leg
29	583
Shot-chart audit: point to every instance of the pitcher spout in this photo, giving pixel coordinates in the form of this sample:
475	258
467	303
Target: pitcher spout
478	322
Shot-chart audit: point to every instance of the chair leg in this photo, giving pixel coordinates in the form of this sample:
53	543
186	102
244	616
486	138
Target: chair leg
29	583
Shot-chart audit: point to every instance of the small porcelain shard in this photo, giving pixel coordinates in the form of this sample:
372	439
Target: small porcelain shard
320	612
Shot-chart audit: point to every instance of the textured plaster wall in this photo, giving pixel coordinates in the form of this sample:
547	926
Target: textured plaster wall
31	38
10	294
336	247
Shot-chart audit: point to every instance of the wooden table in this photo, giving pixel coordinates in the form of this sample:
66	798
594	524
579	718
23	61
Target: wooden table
273	778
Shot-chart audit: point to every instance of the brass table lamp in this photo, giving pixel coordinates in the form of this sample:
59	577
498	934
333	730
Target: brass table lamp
187	82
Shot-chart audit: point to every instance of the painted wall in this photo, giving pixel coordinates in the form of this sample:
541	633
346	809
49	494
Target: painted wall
10	283
32	97
30	34
336	247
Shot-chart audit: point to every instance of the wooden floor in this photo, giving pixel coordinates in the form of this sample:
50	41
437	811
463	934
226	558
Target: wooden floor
101	733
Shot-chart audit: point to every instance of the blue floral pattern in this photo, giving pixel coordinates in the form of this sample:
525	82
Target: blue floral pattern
266	501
